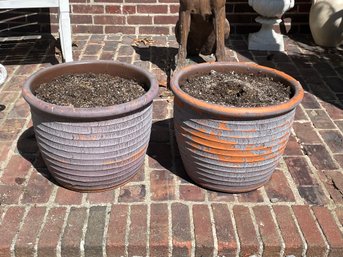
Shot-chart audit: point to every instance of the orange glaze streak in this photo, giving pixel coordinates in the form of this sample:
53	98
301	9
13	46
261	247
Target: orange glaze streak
202	138
132	158
83	137
211	141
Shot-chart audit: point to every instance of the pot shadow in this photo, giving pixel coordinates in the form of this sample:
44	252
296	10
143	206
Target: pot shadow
28	148
163	150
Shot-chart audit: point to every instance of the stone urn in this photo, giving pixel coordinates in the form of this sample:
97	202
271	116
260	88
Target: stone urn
326	22
271	11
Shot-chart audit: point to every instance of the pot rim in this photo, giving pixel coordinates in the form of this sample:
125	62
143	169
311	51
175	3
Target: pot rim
236	112
95	112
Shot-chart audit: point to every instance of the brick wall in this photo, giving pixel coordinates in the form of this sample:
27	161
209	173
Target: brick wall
139	17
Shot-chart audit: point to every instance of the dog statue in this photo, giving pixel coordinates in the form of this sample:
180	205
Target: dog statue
202	28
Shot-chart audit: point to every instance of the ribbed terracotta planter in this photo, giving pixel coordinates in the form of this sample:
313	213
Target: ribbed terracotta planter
92	149
226	148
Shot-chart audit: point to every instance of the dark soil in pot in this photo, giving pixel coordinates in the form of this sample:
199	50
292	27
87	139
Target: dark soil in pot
238	90
87	90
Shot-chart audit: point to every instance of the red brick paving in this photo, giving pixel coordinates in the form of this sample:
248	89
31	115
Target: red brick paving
161	212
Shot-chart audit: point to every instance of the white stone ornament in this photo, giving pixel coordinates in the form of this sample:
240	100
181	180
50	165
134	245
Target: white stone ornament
266	39
3	74
326	22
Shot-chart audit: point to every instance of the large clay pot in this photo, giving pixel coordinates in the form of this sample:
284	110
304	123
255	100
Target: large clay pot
326	22
92	149
226	148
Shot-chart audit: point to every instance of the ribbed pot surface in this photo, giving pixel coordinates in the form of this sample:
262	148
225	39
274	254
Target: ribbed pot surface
227	148
231	155
92	149
87	156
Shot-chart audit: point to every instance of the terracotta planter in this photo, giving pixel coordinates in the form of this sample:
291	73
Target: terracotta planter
91	149
226	148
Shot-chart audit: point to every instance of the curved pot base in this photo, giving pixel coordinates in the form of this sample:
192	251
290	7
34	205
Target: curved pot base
96	190
227	189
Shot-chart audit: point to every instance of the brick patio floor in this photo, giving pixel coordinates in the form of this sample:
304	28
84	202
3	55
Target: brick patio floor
161	212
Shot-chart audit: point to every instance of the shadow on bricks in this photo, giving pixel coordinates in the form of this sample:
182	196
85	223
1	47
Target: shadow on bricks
163	150
28	149
30	50
317	69
160	56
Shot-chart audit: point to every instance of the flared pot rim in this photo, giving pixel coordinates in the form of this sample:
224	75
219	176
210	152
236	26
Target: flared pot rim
95	112
235	112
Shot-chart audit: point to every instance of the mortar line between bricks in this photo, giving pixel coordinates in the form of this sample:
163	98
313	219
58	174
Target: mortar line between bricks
116	53
147	172
304	243
84	231
14	142
315	171
2	121
104	236
128	224
25	184
84	200
65	221
13	146
14	240
214	232
47	210
170	231
234	225
12	104
258	235
4	208
133	56
116	195
338	223
283	245
148	230
329	129
329	88
189	203
320	136
265	197
190	208
176	181
84	48
52	198
327	245
291	183
150	58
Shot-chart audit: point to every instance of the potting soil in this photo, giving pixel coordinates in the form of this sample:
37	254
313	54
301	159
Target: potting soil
237	90
87	90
